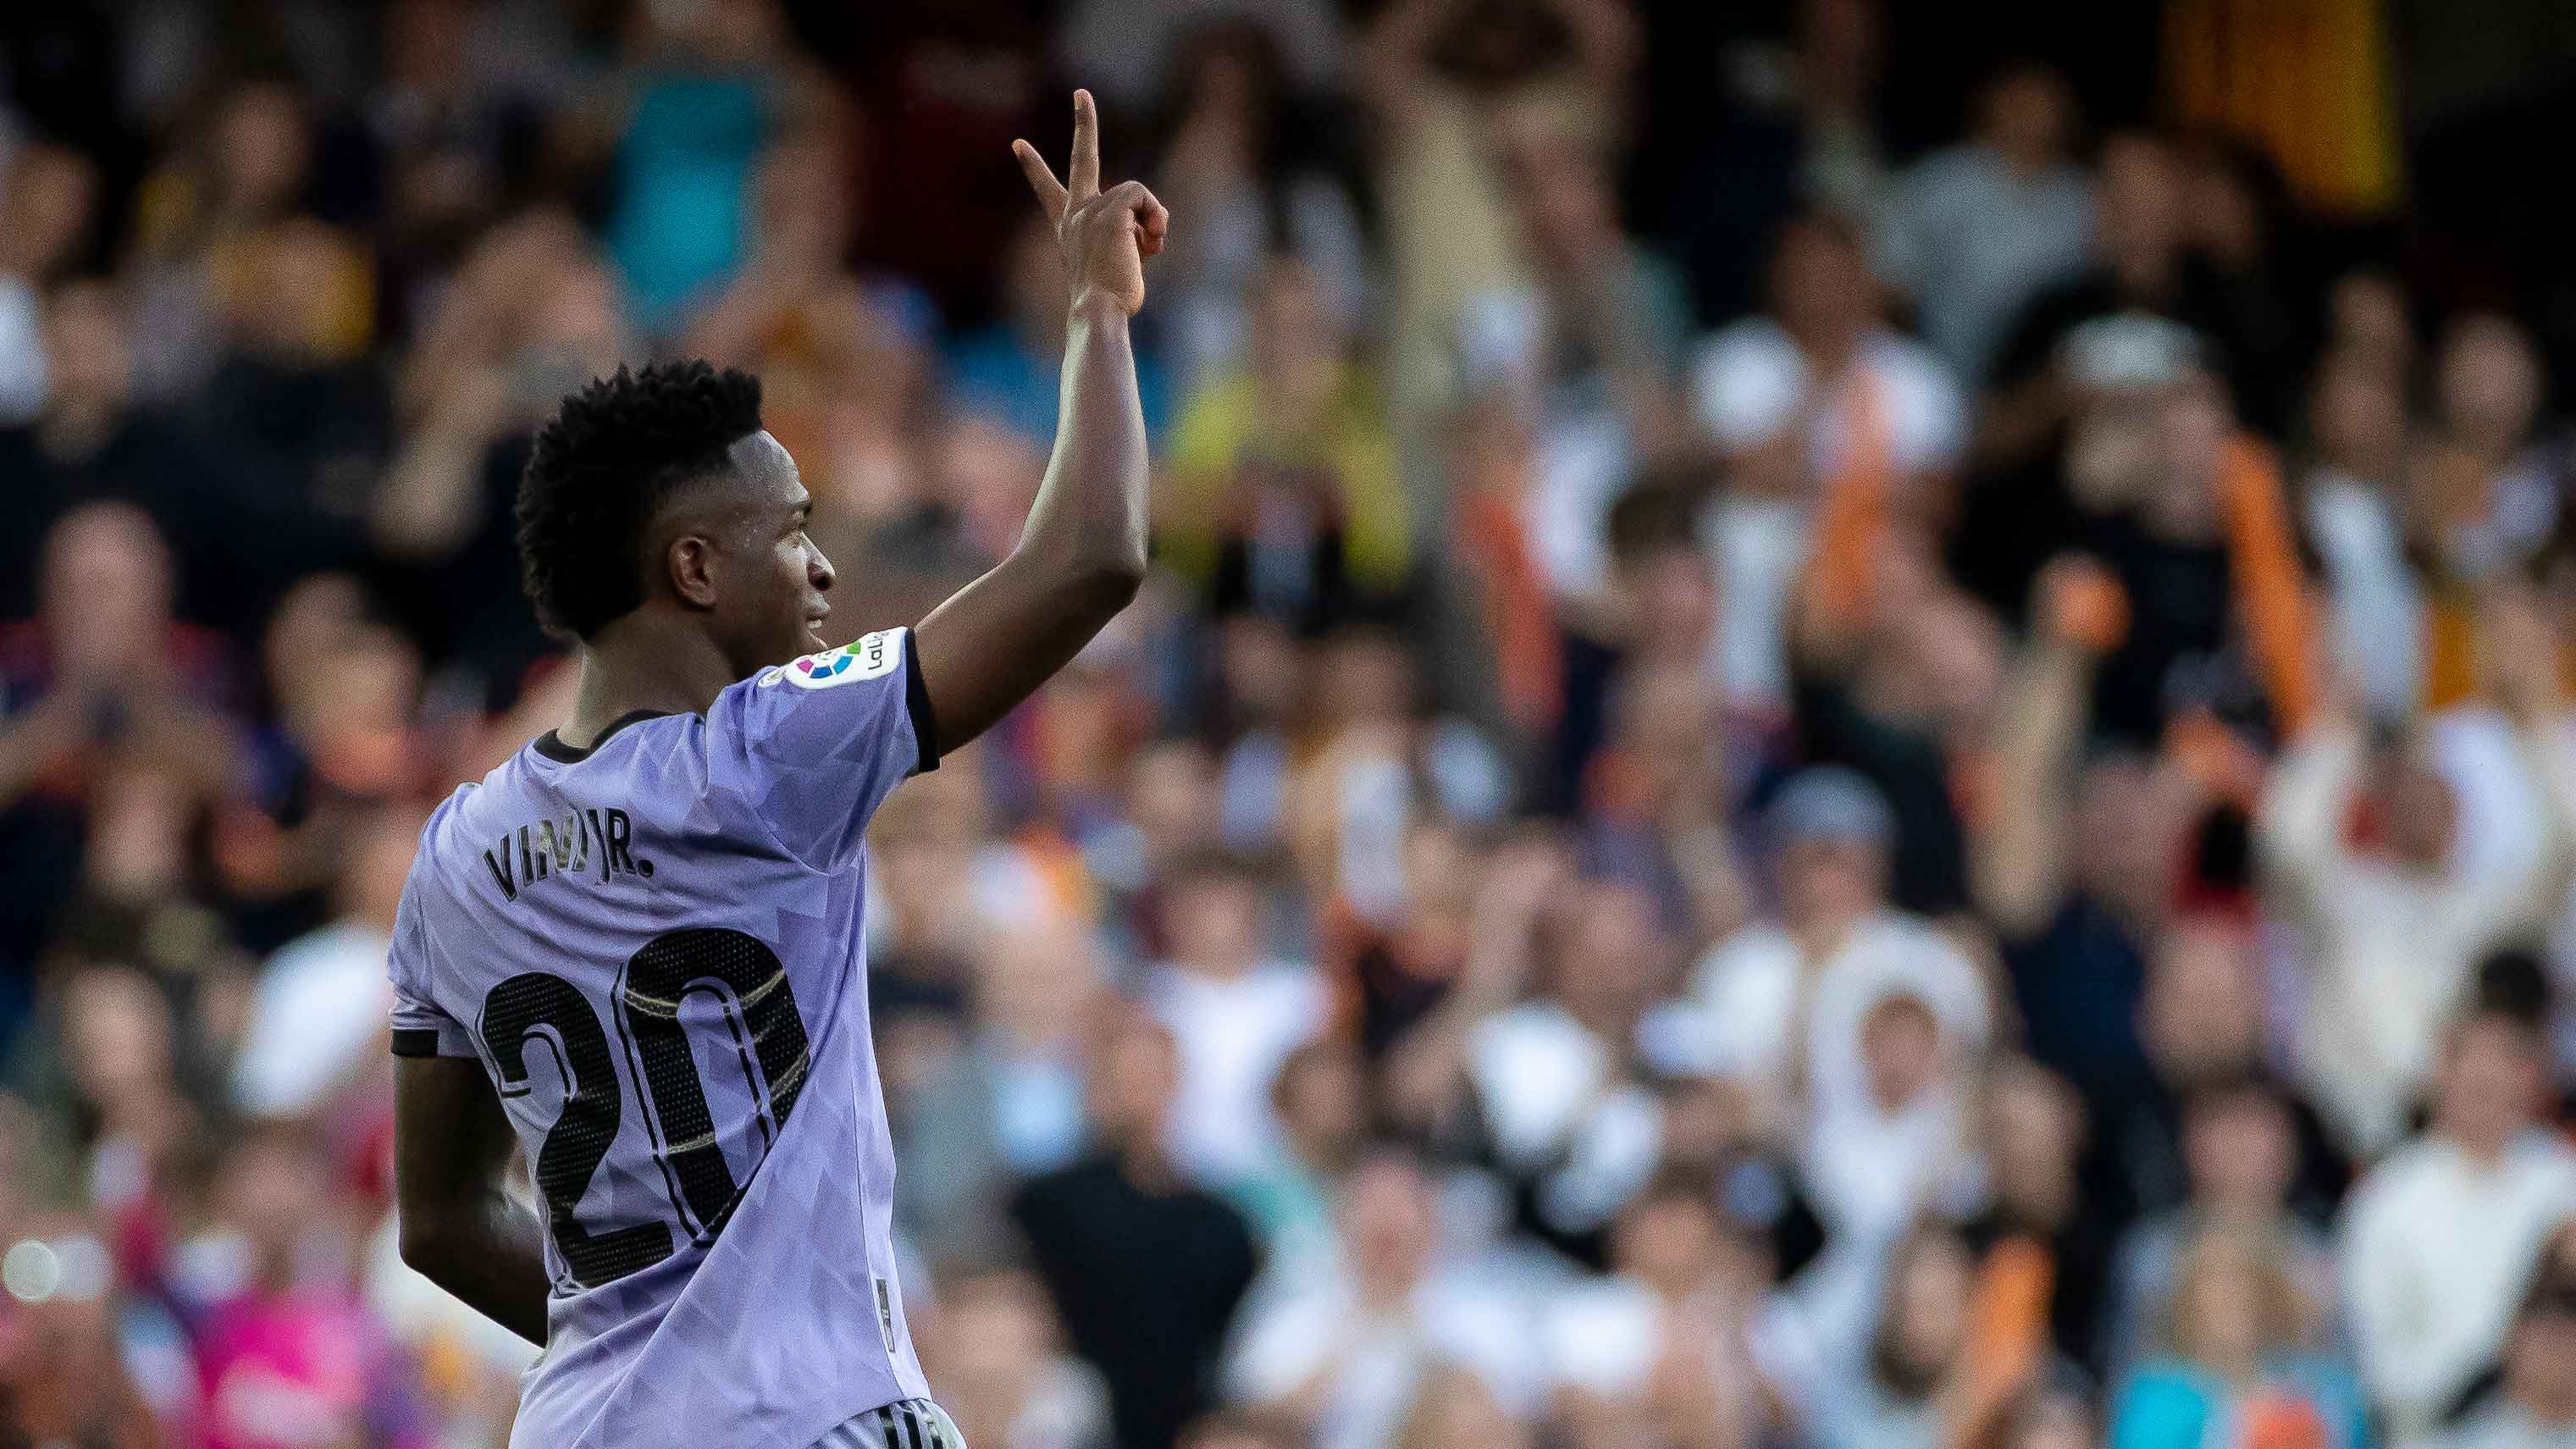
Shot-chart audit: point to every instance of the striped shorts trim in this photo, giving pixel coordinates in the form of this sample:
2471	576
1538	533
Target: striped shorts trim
904	1424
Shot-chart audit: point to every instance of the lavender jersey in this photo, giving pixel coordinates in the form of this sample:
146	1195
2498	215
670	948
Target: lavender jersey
654	947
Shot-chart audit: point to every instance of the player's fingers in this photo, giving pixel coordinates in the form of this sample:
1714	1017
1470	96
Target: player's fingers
1153	223
1042	180
1083	179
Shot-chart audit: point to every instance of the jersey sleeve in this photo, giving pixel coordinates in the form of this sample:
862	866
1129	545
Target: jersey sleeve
421	1028
813	746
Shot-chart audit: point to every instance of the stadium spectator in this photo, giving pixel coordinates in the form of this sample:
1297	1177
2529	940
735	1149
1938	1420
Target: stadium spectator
1235	1013
1974	231
286	1350
2396	928
2483	488
2240	1152
1557	1080
1005	1378
2358	519
1589	345
2534	1402
315	1016
1320	1096
1820	411
1265	167
2430	1306
48	202
1904	1384
1146	1269
2238	1353
2076	860
2202	1022
1785	1003
1283	495
1004	1103
1341	1352
1668	1345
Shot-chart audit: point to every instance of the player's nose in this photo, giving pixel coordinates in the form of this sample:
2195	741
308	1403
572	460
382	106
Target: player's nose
818	569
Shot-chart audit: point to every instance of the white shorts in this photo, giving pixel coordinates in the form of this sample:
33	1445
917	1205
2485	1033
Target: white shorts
904	1424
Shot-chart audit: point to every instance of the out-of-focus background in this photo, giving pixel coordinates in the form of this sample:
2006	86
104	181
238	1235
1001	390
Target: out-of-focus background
1852	730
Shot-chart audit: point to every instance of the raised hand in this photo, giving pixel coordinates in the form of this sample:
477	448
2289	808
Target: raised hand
1106	235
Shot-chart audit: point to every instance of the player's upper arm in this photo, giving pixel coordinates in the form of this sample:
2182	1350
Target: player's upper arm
813	746
421	1027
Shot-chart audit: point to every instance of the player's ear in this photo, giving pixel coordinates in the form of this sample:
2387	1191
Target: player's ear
690	564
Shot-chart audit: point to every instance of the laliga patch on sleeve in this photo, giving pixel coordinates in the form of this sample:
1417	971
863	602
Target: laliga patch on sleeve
870	656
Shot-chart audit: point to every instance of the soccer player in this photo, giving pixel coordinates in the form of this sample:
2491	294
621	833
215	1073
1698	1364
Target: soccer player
644	933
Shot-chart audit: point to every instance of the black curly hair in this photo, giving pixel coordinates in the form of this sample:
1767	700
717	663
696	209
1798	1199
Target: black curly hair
602	465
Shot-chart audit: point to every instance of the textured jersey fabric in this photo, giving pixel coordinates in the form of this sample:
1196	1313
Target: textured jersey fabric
654	946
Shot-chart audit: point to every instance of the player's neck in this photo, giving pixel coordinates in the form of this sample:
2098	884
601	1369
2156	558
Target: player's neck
634	666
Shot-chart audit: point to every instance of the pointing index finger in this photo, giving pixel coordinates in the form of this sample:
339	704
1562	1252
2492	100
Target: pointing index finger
1083	179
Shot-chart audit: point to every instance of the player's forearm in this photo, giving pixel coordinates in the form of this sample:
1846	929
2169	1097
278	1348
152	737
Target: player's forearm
490	1254
1088	524
1079	560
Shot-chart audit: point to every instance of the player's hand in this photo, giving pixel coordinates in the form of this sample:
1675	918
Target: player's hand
1106	235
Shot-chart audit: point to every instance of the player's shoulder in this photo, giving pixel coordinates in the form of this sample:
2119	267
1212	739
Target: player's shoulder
874	655
824	703
442	820
466	812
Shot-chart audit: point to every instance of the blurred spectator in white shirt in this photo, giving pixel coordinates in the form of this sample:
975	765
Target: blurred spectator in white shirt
1819	394
1872	1163
1558	1078
1345	1353
2439	1239
1900	1386
1234	1015
1784	1003
317	1013
1666	1345
2395	927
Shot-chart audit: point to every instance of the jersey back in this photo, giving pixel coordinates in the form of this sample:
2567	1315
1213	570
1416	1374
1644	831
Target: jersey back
654	946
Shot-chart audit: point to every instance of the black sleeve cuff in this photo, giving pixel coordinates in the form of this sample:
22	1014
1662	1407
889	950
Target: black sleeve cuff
916	702
418	1041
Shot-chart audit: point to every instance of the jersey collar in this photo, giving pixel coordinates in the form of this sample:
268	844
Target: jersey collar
551	745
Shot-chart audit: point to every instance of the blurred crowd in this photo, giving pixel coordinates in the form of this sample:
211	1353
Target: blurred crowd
1845	738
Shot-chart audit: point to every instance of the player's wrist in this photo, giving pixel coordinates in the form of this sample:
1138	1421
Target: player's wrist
1095	304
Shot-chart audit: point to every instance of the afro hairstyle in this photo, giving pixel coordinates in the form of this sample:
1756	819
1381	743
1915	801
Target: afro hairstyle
602	465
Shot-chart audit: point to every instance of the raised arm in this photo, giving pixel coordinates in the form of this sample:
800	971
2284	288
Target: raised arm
2017	863
458	1226
1081	557
2298	826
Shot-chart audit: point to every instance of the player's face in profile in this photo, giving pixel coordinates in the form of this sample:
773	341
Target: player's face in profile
770	601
